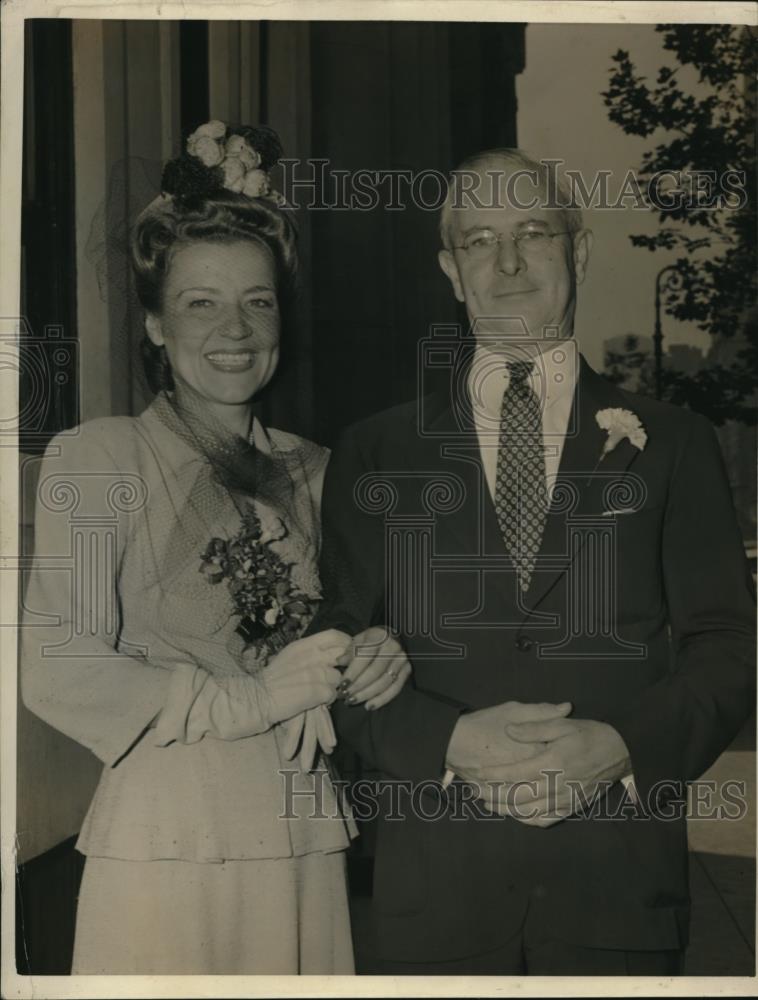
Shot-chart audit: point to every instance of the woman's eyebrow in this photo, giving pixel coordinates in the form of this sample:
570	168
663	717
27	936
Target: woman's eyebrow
208	288
196	288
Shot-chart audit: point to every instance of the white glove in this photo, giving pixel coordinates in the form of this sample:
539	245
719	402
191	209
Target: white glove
314	727
302	676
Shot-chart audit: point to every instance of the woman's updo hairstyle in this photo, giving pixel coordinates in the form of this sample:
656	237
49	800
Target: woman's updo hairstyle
219	193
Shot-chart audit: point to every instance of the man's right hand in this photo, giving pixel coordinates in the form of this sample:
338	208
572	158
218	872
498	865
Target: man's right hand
479	739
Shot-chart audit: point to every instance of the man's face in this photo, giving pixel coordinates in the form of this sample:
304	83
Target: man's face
532	281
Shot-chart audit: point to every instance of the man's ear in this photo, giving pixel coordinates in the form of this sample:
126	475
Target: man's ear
450	267
154	329
582	247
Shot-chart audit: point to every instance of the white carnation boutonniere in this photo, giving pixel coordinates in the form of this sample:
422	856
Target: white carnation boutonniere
620	424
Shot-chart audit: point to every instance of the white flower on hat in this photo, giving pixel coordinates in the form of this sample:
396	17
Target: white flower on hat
240	163
215	128
620	424
205	143
256	183
238	148
234	173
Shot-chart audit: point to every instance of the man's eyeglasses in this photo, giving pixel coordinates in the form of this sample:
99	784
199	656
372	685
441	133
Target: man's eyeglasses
532	242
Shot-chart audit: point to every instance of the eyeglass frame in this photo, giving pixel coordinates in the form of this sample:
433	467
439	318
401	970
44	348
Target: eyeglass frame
516	237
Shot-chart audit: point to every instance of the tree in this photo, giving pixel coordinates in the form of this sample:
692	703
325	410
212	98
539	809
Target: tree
709	219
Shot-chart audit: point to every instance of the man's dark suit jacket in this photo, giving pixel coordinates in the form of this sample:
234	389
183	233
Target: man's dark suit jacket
661	600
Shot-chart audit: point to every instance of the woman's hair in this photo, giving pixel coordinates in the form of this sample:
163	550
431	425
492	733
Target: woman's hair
218	216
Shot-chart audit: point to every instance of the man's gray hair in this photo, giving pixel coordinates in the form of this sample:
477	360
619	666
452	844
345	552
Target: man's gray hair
546	178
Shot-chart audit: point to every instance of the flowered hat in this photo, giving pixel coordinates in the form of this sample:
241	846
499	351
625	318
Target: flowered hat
221	157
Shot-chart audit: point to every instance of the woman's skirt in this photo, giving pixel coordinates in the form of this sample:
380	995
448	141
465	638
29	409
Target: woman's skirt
282	916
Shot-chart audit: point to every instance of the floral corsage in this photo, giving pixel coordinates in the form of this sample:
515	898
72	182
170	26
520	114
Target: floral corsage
271	609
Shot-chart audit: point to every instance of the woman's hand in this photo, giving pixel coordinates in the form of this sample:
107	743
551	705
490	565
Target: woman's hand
304	675
307	731
313	726
322	649
374	675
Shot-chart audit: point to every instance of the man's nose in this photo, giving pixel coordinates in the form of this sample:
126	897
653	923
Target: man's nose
509	260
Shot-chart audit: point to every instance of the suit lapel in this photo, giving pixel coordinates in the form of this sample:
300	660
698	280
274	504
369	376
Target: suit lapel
457	448
452	444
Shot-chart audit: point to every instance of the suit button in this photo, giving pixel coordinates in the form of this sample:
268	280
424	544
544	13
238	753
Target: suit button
539	892
524	643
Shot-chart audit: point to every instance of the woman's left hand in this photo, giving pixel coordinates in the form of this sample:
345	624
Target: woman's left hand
307	731
374	676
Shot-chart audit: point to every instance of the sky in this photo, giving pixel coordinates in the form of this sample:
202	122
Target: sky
561	114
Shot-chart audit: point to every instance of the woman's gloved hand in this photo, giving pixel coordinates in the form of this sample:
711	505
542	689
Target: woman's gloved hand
302	676
377	669
305	732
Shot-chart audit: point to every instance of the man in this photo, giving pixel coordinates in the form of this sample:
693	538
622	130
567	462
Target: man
579	619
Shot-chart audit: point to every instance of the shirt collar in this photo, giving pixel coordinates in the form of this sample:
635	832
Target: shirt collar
554	375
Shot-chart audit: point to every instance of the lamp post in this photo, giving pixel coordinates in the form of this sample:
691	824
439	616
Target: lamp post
674	279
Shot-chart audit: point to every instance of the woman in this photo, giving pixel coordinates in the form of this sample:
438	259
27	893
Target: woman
211	844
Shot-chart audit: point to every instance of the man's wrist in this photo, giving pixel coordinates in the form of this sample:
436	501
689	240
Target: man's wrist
456	737
619	753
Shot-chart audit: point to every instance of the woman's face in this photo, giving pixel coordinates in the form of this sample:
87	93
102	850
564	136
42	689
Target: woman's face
220	321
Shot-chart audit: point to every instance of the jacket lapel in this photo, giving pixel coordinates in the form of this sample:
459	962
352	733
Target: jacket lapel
453	445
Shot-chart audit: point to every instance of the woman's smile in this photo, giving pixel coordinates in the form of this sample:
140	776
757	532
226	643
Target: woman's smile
231	361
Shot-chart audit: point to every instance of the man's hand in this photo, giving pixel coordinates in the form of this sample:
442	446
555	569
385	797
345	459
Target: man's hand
480	741
575	759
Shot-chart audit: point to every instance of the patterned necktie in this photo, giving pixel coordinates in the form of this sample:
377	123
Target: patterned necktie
520	483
